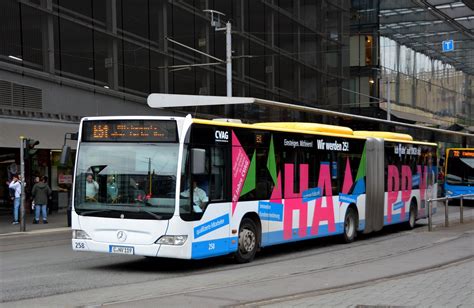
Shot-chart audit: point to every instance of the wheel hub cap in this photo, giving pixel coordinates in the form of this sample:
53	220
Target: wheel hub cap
247	240
349	226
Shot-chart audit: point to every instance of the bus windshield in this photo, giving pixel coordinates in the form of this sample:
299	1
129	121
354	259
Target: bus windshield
460	171
131	180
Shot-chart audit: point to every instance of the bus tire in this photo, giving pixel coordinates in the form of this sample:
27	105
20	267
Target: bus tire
350	225
411	216
247	242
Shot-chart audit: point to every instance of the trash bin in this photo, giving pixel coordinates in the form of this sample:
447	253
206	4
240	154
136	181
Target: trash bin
53	202
62	201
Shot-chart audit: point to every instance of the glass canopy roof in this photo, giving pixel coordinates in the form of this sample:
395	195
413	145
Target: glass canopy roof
423	25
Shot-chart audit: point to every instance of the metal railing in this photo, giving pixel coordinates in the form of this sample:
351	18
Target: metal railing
446	212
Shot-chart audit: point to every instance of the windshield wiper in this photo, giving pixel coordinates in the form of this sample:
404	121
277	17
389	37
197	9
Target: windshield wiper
133	210
151	213
86	213
140	209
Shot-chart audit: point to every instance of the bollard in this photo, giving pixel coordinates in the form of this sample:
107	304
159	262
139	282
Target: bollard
430	215
446	215
461	218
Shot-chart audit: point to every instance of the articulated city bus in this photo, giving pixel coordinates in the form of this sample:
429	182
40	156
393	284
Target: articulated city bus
459	172
191	188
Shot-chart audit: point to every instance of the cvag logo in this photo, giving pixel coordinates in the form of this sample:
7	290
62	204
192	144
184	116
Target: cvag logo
221	136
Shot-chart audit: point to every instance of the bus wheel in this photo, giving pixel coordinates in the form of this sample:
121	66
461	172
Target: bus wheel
350	225
412	216
248	244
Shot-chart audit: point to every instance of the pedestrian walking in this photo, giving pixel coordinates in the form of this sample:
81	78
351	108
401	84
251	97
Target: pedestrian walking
15	187
41	192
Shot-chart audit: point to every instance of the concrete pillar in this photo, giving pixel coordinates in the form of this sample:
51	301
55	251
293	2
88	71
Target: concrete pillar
111	62
397	77
204	37
297	50
47	36
270	61
163	43
240	46
414	83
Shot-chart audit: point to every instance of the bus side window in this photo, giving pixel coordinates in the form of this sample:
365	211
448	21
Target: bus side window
264	180
217	173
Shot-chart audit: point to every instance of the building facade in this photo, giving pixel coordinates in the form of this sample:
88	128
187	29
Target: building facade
61	60
398	59
64	59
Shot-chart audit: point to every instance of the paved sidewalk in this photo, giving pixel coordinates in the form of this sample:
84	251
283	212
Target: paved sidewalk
56	220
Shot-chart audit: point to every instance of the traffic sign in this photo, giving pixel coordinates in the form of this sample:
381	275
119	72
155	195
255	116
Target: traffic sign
448	45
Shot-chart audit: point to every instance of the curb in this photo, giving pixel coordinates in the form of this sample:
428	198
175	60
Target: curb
35	232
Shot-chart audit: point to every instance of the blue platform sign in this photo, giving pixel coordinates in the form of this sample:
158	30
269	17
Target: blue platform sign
448	45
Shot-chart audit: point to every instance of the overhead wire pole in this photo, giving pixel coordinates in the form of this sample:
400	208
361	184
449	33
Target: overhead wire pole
216	23
228	39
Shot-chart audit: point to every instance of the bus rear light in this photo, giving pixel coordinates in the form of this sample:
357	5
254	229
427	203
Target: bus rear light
80	235
176	240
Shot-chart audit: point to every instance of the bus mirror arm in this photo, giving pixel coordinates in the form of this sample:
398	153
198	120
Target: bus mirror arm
198	161
66	150
65	153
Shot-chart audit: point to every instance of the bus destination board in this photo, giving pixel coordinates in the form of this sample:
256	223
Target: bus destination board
463	153
130	131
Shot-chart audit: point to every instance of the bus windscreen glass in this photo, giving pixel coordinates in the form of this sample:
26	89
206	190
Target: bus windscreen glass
130	131
460	169
129	179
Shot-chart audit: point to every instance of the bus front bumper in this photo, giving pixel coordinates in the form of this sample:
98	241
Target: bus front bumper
152	250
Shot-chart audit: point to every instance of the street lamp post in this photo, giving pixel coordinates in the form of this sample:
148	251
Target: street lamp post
22	182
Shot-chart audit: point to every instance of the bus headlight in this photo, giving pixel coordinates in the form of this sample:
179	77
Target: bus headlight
176	240
448	192
80	235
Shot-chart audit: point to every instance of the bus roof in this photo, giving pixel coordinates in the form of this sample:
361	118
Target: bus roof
460	149
314	129
385	135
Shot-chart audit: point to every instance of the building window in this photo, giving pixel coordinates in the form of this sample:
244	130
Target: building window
369	41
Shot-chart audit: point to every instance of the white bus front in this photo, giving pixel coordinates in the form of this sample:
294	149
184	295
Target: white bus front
125	187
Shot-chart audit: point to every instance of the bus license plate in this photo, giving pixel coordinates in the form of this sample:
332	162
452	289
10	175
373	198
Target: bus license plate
125	250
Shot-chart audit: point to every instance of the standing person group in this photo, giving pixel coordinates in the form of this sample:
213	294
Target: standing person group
41	193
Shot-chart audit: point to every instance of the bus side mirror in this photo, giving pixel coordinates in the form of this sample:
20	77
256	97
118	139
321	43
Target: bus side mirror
198	161
65	153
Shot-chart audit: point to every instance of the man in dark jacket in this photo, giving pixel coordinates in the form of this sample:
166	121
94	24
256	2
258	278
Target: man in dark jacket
41	193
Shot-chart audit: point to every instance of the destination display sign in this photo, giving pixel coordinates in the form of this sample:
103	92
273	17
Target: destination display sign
462	153
130	131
